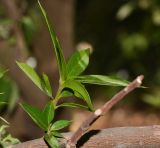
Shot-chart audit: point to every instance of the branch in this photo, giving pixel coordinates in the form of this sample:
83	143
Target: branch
141	137
101	111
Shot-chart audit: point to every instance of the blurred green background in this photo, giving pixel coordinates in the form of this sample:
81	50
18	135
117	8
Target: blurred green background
124	36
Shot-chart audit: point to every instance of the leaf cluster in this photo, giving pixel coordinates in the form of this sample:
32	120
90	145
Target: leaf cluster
6	139
71	83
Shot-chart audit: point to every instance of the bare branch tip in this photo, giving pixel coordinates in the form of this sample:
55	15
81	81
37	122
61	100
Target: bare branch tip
98	112
139	79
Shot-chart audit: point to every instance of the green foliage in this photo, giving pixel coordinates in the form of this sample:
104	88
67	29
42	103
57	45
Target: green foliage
101	80
6	139
56	45
41	118
78	87
43	84
71	83
2	72
52	141
8	92
153	99
29	28
73	105
5	27
77	63
60	125
52	134
133	44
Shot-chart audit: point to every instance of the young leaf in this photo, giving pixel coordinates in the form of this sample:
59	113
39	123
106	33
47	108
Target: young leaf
69	92
48	112
78	87
57	48
60	125
31	73
47	85
2	72
57	134
52	141
101	80
36	115
73	105
77	63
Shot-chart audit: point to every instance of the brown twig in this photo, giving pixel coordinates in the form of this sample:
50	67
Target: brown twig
101	111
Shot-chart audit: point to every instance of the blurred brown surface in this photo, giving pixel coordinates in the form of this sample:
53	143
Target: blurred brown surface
118	117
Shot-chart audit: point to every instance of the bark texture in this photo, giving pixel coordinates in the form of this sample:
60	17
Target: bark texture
119	137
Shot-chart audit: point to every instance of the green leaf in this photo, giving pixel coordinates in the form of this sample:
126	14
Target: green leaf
29	28
48	112
47	85
77	62
73	105
31	73
2	128
101	80
57	134
52	141
9	141
60	125
10	93
57	48
70	92
2	72
13	98
67	93
78	87
36	115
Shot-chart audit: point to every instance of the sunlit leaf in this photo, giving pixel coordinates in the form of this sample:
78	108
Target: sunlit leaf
57	48
30	72
48	112
60	125
52	141
6	140
9	141
101	80
36	115
78	87
78	62
43	85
